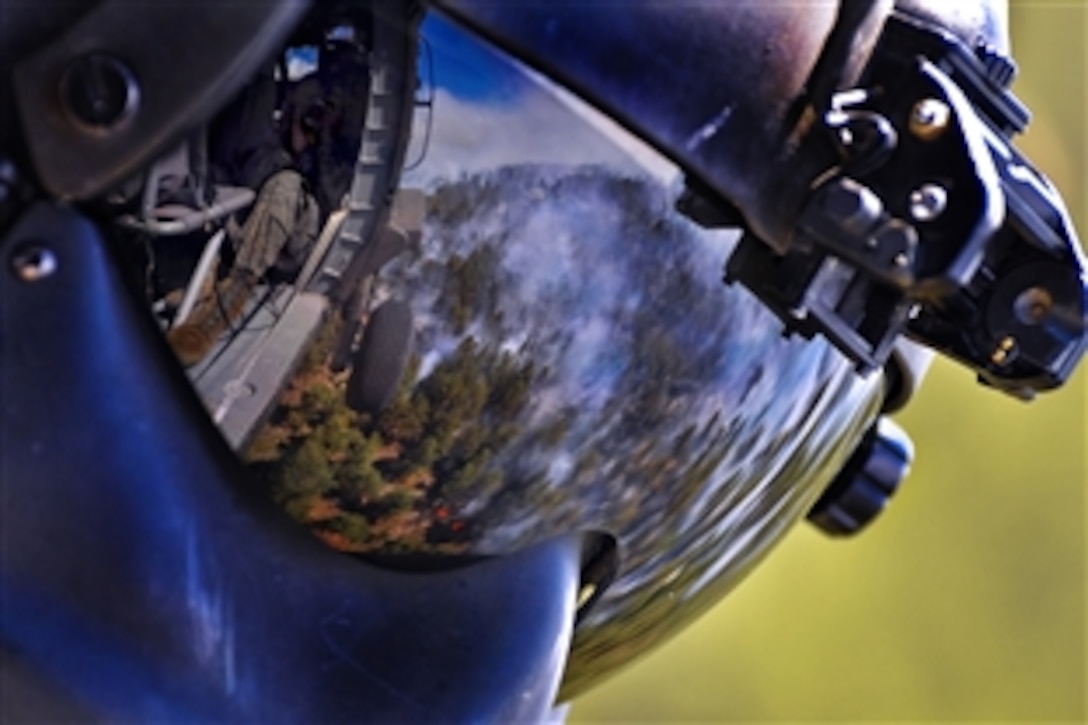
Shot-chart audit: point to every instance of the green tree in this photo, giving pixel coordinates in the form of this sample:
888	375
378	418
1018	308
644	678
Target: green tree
305	473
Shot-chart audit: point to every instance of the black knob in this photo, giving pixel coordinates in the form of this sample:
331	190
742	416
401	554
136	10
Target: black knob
868	480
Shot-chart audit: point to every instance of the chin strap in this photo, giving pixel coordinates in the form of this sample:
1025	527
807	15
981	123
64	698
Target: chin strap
932	225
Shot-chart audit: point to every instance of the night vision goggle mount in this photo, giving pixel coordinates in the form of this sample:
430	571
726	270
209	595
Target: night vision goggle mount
932	225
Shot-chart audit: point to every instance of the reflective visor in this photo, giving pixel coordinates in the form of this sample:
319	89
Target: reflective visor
498	333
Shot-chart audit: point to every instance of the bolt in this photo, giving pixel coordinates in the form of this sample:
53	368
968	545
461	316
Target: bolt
929	118
99	93
34	263
928	202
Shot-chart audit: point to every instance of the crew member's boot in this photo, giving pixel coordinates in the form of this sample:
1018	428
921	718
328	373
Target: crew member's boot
195	337
282	224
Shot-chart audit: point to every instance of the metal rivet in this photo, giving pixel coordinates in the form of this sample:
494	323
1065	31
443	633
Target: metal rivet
929	118
928	202
99	93
34	264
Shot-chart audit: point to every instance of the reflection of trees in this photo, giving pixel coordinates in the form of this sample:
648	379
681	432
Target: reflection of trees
392	482
516	268
317	458
606	251
570	374
579	366
465	410
469	291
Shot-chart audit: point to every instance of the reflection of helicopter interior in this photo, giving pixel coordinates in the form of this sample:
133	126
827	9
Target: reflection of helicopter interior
350	77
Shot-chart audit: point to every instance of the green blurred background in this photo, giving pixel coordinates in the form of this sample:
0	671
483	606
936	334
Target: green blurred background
966	600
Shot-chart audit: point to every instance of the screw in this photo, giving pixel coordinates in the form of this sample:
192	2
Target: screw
34	263
929	118
99	93
928	202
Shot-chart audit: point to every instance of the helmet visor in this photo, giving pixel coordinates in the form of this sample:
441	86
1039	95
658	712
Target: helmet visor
501	331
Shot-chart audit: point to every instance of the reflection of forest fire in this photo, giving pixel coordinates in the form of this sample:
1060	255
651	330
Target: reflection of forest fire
520	295
580	367
388	482
565	377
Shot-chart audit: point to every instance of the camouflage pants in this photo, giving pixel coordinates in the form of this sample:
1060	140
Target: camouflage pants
278	234
280	230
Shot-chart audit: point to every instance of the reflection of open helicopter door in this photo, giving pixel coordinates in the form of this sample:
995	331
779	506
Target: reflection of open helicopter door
241	381
377	345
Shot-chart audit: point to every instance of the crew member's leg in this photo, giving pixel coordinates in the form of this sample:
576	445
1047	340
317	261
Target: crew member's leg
281	227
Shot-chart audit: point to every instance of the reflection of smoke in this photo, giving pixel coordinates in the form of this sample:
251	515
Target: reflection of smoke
651	380
467	138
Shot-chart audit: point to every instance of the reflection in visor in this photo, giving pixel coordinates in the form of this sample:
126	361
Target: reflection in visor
530	342
499	299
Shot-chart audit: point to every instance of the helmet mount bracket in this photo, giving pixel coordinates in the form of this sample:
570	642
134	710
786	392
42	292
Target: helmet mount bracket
932	225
